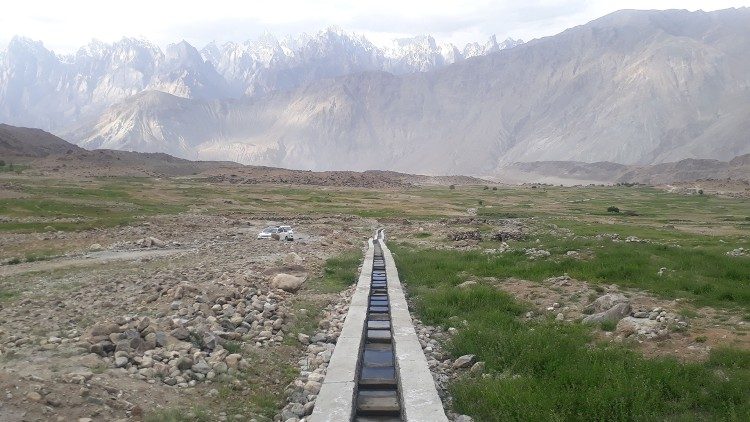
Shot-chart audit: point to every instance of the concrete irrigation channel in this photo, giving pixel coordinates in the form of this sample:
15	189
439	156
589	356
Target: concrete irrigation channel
378	371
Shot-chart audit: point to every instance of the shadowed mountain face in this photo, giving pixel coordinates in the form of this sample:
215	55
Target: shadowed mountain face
28	142
634	87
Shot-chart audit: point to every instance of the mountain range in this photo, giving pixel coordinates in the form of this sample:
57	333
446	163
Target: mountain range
42	89
632	87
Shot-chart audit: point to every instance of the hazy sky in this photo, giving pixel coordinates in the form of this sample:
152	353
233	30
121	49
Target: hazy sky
66	25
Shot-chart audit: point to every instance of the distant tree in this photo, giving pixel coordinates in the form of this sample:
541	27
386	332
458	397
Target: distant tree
2	163
613	209
451	187
481	202
494	188
700	191
485	188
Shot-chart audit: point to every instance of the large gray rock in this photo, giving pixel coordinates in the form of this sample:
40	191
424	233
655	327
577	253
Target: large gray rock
288	282
606	302
464	361
613	314
103	329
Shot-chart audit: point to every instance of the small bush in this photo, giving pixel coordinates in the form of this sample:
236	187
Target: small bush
608	325
2	163
613	209
451	187
14	261
494	188
232	347
701	339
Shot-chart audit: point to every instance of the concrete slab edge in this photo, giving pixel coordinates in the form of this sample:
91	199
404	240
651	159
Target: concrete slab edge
419	396
335	402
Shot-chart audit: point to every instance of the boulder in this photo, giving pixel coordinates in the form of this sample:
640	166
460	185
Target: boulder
464	361
606	302
233	360
613	314
288	282
103	329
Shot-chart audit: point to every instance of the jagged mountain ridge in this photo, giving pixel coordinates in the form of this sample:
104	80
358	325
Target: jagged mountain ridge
41	89
633	87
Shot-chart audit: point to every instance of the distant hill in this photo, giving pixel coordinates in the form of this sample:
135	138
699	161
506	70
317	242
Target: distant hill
569	172
29	142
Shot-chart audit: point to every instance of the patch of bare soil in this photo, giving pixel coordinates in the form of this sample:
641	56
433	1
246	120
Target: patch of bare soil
169	314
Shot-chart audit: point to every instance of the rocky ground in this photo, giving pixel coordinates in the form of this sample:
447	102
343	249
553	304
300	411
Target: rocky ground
167	314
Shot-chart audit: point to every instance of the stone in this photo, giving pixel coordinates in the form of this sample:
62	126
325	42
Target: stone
637	326
34	396
221	368
184	363
296	409
233	360
560	317
181	333
466	284
292	258
464	418
606	302
308	408
95	247
201	367
99	330
102	348
121	361
303	338
312	387
477	368
287	282
613	314
464	361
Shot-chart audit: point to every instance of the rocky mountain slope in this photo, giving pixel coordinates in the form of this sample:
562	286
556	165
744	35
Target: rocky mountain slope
41	89
633	87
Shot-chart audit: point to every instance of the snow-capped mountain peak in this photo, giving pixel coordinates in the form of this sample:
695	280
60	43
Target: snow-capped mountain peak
42	89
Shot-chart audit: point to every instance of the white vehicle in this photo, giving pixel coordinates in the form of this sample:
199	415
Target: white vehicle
284	232
268	232
288	232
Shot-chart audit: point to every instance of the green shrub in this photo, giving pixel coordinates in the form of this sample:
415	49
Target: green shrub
613	209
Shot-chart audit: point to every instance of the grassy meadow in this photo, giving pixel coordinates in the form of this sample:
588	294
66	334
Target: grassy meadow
549	371
539	370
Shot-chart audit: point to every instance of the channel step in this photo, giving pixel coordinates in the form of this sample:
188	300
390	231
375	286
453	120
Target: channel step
379	336
378	402
377	377
378	355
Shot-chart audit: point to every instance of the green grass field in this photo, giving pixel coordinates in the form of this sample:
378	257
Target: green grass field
544	371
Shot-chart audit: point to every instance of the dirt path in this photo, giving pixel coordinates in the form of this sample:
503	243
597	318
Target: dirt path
92	258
